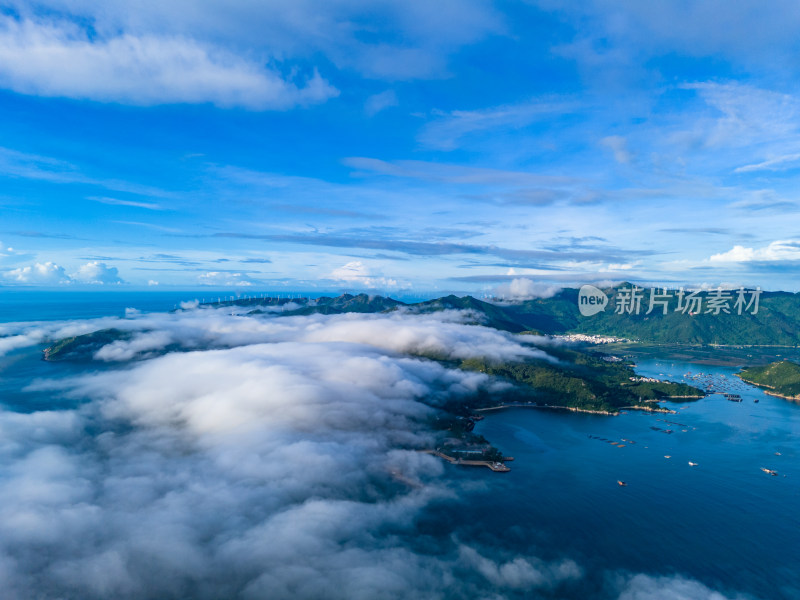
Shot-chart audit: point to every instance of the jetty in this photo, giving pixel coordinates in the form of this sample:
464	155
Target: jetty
497	467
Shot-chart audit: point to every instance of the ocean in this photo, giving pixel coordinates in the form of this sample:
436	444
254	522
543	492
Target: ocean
723	522
33	305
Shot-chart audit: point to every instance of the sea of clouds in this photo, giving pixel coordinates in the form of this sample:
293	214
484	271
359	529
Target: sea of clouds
216	454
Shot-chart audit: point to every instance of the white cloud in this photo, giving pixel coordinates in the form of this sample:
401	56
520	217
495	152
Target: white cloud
134	203
447	130
779	250
275	460
379	102
618	267
97	273
749	115
49	59
616	33
225	279
452	173
265	469
523	288
645	587
406	40
358	273
9	256
47	273
778	163
619	147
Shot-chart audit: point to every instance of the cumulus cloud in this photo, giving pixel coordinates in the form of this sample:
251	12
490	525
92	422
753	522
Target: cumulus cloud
357	272
60	59
47	273
97	273
779	250
523	288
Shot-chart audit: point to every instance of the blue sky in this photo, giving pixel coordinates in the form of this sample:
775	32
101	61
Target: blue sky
398	147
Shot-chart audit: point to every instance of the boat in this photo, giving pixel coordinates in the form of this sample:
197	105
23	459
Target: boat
755	400
772	472
622	483
692	464
667	456
777	454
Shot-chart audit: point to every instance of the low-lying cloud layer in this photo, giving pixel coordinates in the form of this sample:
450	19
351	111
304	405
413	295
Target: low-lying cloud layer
275	460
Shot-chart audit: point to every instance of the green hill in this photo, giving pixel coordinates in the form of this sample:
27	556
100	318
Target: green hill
781	378
777	322
83	347
582	380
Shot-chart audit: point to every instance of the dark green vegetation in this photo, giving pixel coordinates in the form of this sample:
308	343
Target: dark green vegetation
781	378
777	322
581	381
346	303
83	347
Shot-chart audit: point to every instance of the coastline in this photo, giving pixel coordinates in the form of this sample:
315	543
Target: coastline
768	389
550	406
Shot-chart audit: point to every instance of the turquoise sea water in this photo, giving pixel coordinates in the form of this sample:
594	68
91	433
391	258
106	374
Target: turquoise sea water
723	522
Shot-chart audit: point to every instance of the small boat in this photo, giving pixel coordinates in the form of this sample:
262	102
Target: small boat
772	472
777	454
692	464
667	456
622	483
755	400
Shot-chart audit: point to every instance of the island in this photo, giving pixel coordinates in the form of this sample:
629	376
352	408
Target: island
781	379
